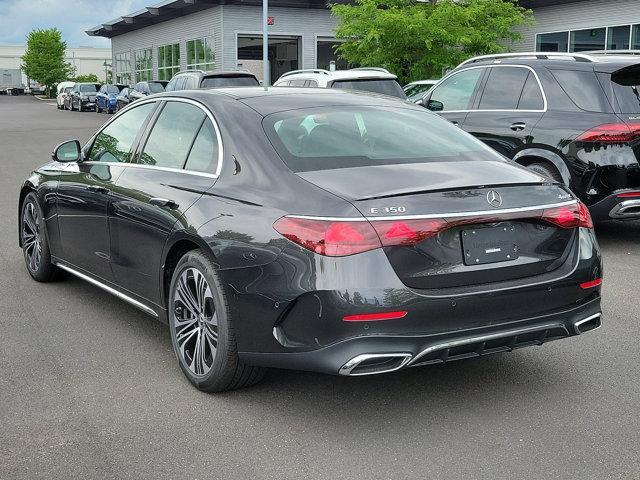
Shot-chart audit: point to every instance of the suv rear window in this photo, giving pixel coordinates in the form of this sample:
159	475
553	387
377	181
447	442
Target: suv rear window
342	137
583	89
221	82
379	85
626	87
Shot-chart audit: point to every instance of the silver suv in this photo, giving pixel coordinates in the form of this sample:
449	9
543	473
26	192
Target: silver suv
376	80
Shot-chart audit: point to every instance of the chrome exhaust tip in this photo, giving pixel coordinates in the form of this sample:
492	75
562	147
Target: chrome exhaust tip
588	324
374	363
626	209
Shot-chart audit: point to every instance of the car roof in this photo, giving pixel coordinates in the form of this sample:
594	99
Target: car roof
279	99
352	74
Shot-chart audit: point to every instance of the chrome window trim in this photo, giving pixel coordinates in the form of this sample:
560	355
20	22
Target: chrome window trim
138	165
544	96
437	215
108	289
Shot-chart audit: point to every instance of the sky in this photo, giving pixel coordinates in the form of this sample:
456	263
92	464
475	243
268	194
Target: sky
71	17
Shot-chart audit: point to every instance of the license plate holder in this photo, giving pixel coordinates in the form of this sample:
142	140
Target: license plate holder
489	244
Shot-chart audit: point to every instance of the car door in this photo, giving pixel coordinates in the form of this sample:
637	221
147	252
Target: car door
510	105
84	192
453	98
176	163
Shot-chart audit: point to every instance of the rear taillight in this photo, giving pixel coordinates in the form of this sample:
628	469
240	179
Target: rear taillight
628	195
570	216
407	232
329	238
611	133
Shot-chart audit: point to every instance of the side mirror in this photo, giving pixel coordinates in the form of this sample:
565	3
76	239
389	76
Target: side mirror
67	152
435	106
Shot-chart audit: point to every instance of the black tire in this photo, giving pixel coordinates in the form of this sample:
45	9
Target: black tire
546	170
35	243
212	325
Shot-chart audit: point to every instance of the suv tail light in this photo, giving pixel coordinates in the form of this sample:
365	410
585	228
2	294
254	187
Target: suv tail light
341	238
611	133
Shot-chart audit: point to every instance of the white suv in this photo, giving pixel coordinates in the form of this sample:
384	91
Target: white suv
376	80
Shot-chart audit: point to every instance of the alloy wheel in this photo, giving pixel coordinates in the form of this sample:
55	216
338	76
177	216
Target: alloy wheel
32	237
195	321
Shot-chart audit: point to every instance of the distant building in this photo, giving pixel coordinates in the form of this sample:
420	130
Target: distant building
85	60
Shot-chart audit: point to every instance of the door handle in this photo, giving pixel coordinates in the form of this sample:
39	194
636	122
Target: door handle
163	202
518	126
97	189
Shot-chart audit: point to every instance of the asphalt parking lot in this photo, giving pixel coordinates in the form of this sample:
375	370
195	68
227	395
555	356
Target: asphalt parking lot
90	388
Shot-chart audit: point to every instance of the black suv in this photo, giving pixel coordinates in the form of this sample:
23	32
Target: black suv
573	117
192	79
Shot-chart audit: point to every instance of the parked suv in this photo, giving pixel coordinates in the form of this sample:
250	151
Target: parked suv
376	80
192	79
573	117
144	89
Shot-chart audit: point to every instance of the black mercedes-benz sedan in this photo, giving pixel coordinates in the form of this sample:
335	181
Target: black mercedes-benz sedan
312	229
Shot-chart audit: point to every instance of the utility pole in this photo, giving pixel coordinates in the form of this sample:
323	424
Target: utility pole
265	44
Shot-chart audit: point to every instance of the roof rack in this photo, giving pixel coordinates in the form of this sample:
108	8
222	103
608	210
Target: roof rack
190	70
613	52
308	70
375	69
578	57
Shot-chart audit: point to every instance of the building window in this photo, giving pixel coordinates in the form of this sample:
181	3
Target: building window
552	42
200	54
585	40
635	37
326	52
123	68
143	65
618	37
168	61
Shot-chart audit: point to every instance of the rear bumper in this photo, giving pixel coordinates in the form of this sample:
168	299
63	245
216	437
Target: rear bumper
616	207
367	355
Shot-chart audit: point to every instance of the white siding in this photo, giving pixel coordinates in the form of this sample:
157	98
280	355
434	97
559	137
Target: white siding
178	30
301	22
579	15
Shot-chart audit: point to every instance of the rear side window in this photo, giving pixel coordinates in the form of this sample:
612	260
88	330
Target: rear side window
343	137
113	144
204	153
297	83
583	89
626	88
384	86
456	91
531	97
172	135
503	88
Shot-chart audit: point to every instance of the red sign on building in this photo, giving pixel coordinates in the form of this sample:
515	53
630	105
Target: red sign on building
271	21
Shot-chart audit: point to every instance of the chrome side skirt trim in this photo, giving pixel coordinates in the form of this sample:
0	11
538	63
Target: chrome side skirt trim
437	215
110	290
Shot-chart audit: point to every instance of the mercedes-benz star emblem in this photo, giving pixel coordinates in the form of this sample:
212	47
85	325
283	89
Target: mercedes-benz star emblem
494	199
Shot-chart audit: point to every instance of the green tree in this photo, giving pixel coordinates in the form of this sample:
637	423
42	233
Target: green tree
43	61
418	40
90	78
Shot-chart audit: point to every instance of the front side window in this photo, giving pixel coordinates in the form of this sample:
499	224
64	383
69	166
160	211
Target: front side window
344	137
200	54
114	143
172	136
168	61
144	65
456	92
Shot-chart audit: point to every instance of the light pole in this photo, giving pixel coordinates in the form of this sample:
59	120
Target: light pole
105	65
265	44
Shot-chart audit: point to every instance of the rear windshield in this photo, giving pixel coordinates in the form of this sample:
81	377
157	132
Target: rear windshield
626	88
88	88
156	87
379	85
342	137
220	82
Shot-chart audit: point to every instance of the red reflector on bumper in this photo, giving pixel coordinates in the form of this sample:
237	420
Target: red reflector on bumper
593	283
374	317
